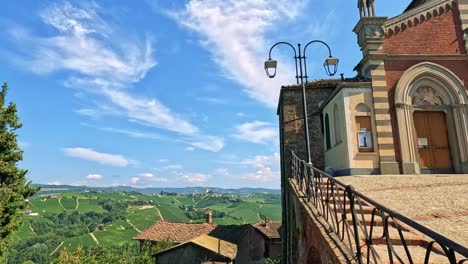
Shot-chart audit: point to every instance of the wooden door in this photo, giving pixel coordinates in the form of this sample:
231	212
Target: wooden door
432	141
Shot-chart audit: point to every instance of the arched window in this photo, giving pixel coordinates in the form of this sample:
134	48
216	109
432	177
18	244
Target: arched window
337	124
327	132
362	108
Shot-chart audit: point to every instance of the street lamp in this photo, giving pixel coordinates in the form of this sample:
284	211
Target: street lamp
330	65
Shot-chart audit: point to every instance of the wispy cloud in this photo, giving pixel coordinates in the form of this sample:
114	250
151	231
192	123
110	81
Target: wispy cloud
103	64
92	155
194	178
146	179
235	32
54	183
256	132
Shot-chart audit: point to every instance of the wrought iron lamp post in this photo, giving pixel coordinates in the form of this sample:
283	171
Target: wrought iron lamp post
330	65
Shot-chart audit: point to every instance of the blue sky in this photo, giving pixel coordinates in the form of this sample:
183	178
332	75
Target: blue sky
161	93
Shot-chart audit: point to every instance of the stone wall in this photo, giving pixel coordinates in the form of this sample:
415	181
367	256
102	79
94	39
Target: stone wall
291	122
310	241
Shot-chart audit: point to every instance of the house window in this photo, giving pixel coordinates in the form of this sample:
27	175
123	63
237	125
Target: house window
327	132
364	134
336	122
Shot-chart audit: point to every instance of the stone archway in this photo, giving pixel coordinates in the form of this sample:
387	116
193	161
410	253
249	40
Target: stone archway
431	87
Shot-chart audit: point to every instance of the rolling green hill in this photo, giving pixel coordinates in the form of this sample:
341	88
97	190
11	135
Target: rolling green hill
67	220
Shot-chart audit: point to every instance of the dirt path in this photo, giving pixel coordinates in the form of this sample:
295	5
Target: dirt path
77	204
60	202
160	215
94	238
30	227
134	227
195	204
56	248
176	200
259	218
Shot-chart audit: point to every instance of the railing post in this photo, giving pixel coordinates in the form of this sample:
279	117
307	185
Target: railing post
350	191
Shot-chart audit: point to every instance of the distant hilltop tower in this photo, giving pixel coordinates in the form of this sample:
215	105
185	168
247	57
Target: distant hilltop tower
366	8
207	190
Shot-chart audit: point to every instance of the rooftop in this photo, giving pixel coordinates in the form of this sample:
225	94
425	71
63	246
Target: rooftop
175	232
272	230
218	246
182	232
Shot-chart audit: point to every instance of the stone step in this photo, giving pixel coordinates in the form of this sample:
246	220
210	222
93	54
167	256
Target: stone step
411	239
418	254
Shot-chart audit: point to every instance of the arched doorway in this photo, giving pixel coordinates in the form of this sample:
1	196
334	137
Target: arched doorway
432	115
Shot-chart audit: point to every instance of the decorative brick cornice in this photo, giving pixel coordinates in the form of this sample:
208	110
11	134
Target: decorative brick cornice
417	15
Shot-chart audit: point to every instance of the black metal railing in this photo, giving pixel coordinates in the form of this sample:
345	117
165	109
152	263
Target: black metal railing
369	231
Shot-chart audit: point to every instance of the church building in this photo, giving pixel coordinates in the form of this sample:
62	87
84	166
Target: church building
406	111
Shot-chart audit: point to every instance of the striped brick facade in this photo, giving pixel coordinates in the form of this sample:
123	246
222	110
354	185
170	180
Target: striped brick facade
383	125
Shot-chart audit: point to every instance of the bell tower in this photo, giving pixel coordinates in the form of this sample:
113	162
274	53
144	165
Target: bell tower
366	8
370	31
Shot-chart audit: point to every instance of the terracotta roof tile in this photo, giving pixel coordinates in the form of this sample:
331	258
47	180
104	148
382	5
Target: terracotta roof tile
272	231
175	232
182	232
230	233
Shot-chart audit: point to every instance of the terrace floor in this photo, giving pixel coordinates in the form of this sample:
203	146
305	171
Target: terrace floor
439	202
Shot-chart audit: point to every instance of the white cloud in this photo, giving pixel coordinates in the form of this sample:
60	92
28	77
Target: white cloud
173	167
149	112
263	168
93	177
235	33
222	172
194	178
54	183
189	148
257	132
102	65
146	179
92	155
134	180
145	175
206	142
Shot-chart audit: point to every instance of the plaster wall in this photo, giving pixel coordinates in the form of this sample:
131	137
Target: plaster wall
189	254
337	156
353	98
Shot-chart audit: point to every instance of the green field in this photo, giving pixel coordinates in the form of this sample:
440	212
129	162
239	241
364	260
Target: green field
73	242
143	218
68	220
86	205
68	203
173	214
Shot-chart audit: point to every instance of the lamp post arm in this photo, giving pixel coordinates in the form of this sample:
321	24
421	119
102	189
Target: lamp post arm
295	55
305	49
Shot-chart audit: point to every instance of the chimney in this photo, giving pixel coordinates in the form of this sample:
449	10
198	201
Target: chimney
209	217
266	222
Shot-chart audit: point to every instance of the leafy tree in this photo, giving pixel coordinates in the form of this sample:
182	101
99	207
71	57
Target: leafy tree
14	190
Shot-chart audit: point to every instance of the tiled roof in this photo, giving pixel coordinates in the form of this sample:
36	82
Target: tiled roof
273	229
326	82
230	233
175	232
416	3
182	232
218	246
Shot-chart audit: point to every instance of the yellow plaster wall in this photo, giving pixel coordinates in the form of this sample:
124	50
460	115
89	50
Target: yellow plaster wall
354	97
337	156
